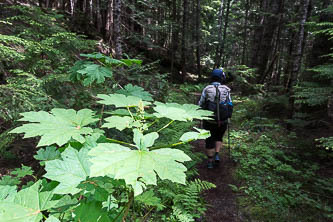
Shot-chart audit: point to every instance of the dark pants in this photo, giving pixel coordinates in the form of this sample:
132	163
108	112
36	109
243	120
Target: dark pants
216	132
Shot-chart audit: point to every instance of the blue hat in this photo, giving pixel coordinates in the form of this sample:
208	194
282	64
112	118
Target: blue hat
218	73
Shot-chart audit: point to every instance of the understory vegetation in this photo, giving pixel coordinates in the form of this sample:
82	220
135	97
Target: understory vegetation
86	136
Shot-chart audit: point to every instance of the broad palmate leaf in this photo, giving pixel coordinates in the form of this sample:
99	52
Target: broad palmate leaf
50	153
7	192
91	211
26	205
185	112
189	136
57	127
120	100
118	122
130	90
94	72
52	219
70	171
138	167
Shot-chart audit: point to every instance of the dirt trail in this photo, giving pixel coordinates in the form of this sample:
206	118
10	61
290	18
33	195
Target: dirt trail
222	206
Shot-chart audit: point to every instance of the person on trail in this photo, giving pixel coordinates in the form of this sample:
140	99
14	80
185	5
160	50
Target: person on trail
216	97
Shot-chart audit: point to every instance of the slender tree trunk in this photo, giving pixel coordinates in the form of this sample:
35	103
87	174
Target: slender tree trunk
91	18
226	21
99	16
84	6
271	40
247	8
175	37
184	39
117	25
298	54
72	5
197	24
219	35
109	23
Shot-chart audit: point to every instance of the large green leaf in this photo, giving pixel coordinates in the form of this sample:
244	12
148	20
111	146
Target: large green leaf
185	112
94	72
91	211
7	192
138	167
130	62
70	171
27	205
50	153
189	136
120	100
144	141
52	219
118	122
130	90
59	126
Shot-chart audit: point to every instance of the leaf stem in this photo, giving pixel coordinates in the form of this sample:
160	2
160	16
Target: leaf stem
121	142
130	112
165	126
131	199
170	145
102	112
147	214
155	121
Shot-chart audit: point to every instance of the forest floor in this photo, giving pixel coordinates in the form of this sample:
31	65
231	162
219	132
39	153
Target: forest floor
222	203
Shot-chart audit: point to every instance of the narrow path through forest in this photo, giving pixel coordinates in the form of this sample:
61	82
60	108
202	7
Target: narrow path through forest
222	206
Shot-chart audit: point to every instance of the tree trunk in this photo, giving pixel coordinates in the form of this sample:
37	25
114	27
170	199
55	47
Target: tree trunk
91	18
272	54
72	5
175	37
109	23
184	40
219	36
99	16
226	21
247	8
197	24
298	54
117	25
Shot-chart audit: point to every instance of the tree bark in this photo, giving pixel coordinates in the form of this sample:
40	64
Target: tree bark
117	25
184	40
247	8
219	36
197	24
298	54
175	37
109	23
99	16
226	21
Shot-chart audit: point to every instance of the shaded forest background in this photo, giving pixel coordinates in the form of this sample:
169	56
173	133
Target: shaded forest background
280	46
278	52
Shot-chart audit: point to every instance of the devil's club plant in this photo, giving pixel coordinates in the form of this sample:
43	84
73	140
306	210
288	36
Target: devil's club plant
92	170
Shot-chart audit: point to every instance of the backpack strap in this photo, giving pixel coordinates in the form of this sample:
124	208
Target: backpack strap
217	100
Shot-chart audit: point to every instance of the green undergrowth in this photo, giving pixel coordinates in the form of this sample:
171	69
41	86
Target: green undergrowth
281	176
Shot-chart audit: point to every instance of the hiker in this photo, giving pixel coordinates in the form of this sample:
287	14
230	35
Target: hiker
216	97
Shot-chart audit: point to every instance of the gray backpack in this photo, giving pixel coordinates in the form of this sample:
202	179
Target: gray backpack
218	101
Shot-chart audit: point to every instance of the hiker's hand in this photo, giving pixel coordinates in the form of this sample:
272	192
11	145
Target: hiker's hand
229	120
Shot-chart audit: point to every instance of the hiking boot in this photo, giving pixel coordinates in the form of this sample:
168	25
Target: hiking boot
210	165
217	159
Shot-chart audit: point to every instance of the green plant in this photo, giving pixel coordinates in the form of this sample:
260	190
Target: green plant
93	168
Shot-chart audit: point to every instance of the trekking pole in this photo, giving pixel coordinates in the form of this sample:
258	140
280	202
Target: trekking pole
229	150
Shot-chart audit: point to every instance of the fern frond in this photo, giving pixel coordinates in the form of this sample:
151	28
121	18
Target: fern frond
202	185
181	215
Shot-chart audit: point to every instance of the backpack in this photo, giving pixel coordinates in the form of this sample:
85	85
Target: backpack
218	101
